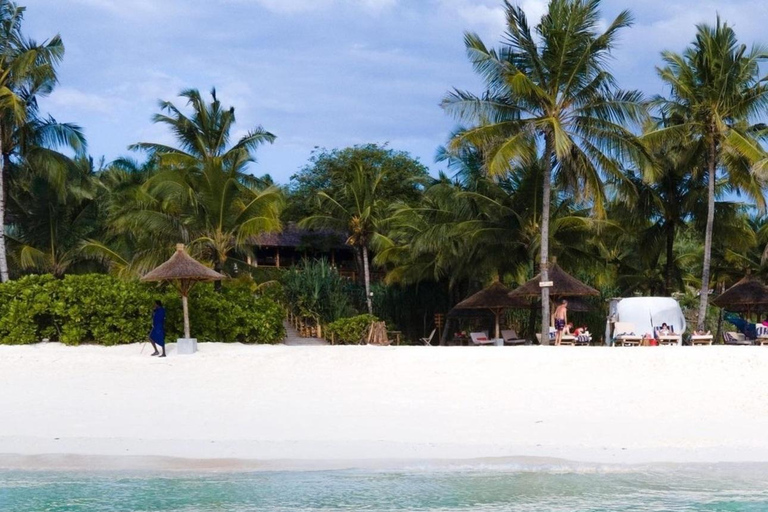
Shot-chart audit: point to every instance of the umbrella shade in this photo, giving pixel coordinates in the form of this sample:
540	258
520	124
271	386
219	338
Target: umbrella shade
494	298
744	295
184	271
563	285
182	267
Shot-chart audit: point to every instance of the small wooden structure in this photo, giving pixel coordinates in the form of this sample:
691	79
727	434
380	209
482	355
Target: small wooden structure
183	272
746	296
495	298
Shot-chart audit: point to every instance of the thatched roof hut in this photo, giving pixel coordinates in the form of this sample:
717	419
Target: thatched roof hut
563	285
746	295
494	298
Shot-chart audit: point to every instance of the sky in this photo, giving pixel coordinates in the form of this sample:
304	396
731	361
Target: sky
316	73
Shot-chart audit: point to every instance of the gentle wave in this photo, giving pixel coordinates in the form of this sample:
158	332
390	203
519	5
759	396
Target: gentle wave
512	487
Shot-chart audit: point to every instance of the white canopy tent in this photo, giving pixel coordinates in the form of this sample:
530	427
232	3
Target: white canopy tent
645	313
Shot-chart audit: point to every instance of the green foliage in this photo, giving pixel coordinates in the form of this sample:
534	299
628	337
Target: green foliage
331	171
314	289
101	309
352	330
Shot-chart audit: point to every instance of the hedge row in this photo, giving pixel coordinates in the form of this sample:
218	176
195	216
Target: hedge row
108	311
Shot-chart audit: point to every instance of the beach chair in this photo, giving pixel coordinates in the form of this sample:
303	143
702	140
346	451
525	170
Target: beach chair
428	340
624	335
668	339
735	338
510	338
762	335
568	339
701	339
583	340
552	333
481	338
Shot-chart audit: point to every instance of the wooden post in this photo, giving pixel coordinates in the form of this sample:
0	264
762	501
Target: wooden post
439	324
185	307
277	257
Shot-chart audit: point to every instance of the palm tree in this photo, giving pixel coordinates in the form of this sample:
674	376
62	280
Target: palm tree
716	90
359	210
22	62
202	192
552	88
49	226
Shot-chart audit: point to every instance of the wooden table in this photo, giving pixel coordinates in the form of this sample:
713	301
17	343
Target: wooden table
396	335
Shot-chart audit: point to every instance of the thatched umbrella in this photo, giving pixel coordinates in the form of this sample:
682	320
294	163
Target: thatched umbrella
743	296
563	285
184	272
494	298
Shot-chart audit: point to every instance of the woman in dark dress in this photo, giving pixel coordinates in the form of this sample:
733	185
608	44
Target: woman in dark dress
157	334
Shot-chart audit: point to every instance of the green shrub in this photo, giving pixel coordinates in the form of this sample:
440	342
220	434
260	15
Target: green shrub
105	310
350	330
315	289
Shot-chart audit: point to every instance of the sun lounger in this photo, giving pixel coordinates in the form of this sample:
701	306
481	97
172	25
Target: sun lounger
701	339
583	340
428	340
671	338
481	338
510	338
735	338
552	333
624	335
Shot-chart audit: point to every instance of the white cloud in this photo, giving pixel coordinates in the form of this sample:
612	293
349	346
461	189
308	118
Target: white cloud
79	101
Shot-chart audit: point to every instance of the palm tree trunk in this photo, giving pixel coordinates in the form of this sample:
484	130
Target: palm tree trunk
367	275
4	275
544	260
670	257
704	294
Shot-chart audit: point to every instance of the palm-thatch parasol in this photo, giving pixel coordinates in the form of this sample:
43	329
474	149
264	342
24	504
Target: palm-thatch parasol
743	296
563	285
495	298
184	272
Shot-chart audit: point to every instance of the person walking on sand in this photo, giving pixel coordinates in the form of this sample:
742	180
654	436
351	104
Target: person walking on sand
157	334
561	319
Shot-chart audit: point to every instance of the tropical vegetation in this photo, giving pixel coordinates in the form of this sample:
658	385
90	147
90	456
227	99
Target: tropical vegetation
550	161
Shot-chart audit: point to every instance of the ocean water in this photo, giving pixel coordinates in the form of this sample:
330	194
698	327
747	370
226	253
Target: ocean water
742	488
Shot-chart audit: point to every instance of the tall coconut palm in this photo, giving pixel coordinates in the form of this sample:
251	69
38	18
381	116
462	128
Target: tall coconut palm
202	189
551	89
359	210
716	90
22	62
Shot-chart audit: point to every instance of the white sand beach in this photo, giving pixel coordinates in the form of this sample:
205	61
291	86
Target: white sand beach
324	403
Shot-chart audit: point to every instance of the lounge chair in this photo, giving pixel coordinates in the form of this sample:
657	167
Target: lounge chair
668	339
481	338
701	339
624	335
762	335
735	338
583	340
552	333
510	338
428	340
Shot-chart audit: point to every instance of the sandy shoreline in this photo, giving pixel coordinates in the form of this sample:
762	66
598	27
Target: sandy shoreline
291	407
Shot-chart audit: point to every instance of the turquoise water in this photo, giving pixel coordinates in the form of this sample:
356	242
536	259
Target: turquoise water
713	488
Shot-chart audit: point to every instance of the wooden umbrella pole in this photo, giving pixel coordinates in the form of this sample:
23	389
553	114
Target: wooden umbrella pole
185	307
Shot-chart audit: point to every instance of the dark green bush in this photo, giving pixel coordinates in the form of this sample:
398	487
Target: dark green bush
351	330
105	310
